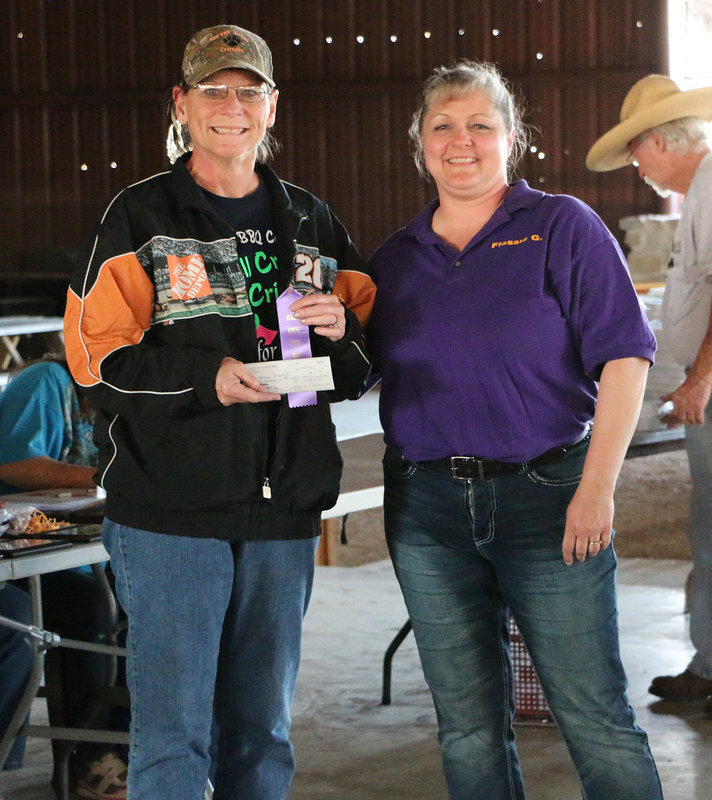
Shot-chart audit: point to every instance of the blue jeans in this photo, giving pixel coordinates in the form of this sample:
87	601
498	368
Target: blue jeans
465	552
213	625
698	442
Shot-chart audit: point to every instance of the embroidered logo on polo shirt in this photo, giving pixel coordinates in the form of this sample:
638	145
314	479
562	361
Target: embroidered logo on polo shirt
512	242
189	280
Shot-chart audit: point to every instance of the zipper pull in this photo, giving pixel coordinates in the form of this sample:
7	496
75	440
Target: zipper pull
266	490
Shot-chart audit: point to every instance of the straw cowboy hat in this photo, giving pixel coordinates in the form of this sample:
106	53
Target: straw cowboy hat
652	101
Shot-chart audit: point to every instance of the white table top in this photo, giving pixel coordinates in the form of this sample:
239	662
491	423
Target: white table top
56	501
17	326
355	418
78	555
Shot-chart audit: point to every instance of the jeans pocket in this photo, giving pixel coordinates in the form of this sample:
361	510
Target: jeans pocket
397	466
566	472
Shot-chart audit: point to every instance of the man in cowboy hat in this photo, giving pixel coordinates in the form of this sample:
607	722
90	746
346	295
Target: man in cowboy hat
662	131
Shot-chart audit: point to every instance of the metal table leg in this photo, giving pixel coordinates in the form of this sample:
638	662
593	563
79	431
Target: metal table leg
41	640
388	659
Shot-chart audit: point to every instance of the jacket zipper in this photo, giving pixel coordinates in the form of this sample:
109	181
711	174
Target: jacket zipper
266	486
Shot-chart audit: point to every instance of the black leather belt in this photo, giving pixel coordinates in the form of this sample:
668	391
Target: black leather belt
482	469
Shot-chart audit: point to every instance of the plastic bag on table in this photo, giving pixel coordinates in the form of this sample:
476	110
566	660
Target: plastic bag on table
15	517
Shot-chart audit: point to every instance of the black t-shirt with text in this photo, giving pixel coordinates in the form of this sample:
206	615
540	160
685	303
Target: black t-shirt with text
252	219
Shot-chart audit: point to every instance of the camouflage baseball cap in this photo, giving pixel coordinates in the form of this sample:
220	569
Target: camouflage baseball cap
226	47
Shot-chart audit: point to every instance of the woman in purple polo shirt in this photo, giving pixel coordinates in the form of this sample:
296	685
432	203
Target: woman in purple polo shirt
513	355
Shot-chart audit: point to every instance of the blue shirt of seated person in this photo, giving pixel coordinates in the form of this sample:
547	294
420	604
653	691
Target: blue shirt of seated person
45	433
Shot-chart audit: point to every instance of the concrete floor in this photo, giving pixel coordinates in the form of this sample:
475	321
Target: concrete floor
349	747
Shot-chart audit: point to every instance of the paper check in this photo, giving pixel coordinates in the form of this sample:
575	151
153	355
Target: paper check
295	375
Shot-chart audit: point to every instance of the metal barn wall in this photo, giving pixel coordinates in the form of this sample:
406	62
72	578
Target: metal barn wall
85	82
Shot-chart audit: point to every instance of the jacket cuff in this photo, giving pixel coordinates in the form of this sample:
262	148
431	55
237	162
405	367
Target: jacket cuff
205	370
321	346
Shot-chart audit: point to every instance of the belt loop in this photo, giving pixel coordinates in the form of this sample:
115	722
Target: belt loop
481	469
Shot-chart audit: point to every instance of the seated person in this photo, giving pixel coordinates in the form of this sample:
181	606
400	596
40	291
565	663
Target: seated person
45	431
46	442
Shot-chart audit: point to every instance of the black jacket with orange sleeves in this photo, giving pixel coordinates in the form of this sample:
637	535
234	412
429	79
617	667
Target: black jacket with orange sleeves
172	458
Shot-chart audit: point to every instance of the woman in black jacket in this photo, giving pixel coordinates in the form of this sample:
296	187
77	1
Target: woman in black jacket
198	278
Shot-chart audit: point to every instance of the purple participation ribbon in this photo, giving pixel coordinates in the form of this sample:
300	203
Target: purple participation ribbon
294	336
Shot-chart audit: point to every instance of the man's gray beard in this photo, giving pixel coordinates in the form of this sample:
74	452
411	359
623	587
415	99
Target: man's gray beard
662	192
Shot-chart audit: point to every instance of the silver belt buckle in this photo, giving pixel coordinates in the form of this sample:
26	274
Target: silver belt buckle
469	461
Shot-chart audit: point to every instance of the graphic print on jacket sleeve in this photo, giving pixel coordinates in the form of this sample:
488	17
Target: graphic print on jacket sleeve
313	271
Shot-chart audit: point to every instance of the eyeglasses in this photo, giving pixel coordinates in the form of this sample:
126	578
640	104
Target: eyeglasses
218	91
633	145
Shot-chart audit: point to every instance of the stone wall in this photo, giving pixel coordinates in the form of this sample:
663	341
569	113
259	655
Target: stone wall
649	239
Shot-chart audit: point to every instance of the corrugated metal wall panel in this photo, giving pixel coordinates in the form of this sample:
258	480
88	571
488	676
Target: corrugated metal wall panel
86	82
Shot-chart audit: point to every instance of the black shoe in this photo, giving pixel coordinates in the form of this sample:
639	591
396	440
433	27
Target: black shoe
685	686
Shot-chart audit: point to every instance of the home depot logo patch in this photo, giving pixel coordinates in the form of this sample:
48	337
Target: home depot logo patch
189	280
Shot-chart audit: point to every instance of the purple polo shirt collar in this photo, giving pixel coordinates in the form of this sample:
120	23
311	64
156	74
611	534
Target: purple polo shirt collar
519	196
